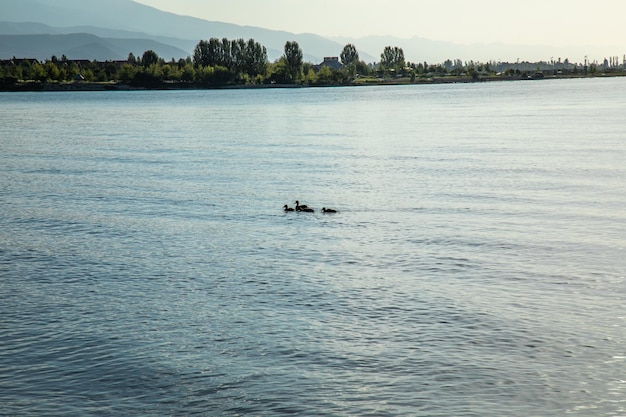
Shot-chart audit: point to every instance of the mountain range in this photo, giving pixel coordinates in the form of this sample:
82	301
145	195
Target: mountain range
110	30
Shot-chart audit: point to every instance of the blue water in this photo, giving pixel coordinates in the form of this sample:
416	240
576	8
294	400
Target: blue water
476	266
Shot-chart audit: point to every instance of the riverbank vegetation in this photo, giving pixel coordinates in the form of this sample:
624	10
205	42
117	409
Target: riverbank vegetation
239	63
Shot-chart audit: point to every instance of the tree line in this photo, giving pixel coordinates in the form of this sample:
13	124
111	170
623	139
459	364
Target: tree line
215	62
220	62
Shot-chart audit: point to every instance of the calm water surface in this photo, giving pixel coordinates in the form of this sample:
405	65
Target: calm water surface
476	266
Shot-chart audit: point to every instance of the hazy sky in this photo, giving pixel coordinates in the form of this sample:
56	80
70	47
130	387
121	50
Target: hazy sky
545	22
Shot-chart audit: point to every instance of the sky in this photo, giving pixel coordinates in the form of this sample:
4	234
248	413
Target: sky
524	22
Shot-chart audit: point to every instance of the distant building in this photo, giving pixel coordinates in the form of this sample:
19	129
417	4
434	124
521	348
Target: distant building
20	61
331	62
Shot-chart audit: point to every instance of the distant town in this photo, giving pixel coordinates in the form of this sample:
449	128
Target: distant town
223	63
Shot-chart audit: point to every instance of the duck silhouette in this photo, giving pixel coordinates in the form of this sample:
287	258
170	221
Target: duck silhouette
287	208
328	210
299	207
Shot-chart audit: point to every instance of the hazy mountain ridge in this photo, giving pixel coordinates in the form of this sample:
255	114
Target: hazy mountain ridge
32	28
116	22
126	16
80	46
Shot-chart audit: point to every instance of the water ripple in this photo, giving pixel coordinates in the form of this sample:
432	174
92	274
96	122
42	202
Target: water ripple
473	269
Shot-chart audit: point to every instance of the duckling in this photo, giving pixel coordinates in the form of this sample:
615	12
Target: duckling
287	208
328	210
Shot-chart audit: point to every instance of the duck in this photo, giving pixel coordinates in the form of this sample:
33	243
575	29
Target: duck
301	207
287	208
307	210
328	210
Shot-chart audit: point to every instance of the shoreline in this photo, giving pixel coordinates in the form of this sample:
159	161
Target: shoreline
36	86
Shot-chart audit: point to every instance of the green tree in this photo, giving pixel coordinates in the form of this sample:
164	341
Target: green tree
127	73
12	74
26	70
52	71
349	58
204	74
308	75
71	71
277	72
362	68
201	54
239	57
88	74
171	72
111	70
156	71
293	58
38	73
212	53
392	58
255	58
226	57
214	76
149	58
188	73
325	75
101	76
349	55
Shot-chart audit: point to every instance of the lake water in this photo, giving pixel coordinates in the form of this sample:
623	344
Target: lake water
476	266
